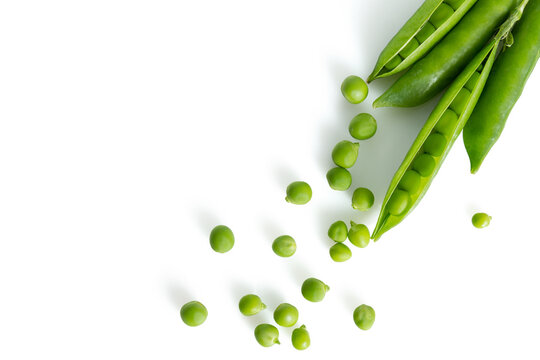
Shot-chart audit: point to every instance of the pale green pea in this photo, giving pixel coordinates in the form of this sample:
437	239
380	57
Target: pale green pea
424	165
267	335
398	202
443	13
461	100
250	304
221	239
409	48
362	199
364	317
298	193
300	338
314	290
410	181
338	231
286	315
284	246
392	64
354	89
193	313
340	252
345	153
339	178
447	123
359	235
425	32
435	144
363	126
481	220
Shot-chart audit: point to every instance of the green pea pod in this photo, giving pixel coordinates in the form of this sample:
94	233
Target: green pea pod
429	24
504	87
435	71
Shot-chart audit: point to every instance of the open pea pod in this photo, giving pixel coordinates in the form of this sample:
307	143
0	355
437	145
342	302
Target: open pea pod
434	141
429	24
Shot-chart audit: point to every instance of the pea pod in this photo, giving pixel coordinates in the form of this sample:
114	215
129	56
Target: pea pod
429	24
504	87
441	130
431	74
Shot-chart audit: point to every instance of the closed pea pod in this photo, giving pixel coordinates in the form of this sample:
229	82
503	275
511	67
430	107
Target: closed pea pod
428	25
399	202
438	68
504	87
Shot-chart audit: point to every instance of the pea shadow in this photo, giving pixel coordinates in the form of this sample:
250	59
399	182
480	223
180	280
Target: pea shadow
178	295
271	230
206	221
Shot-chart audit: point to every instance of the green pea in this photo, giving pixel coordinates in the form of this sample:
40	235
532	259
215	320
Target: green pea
286	315
359	235
443	13
447	123
363	126
338	231
300	338
284	246
340	252
424	164
481	220
345	153
409	48
354	89
435	144
460	102
410	181
251	304
455	4
362	199
399	202
424	33
339	178
267	335
393	63
314	290
364	317
298	193
193	313
472	81
221	239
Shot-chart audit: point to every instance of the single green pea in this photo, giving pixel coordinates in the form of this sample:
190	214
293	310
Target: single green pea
363	126
424	164
410	181
393	63
221	239
300	338
298	193
286	315
359	235
425	32
443	13
455	4
338	231
481	220
267	335
284	246
472	81
339	178
460	102
345	153
409	48
398	202
362	199
193	313
364	317
314	290
447	123
251	304
340	252
354	89
435	144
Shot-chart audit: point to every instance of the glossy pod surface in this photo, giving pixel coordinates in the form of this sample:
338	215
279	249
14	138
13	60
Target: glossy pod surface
428	25
434	141
504	87
431	74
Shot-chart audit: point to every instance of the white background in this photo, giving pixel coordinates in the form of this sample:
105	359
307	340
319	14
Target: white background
128	129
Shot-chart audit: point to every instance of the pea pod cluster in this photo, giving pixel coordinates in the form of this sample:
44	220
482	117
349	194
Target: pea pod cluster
504	87
429	24
439	133
440	66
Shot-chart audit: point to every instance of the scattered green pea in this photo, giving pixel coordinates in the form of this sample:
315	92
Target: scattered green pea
362	199
345	153
298	193
314	290
339	178
481	220
364	317
193	313
359	235
221	239
338	231
363	126
354	89
286	315
267	335
284	246
300	338
251	304
340	252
